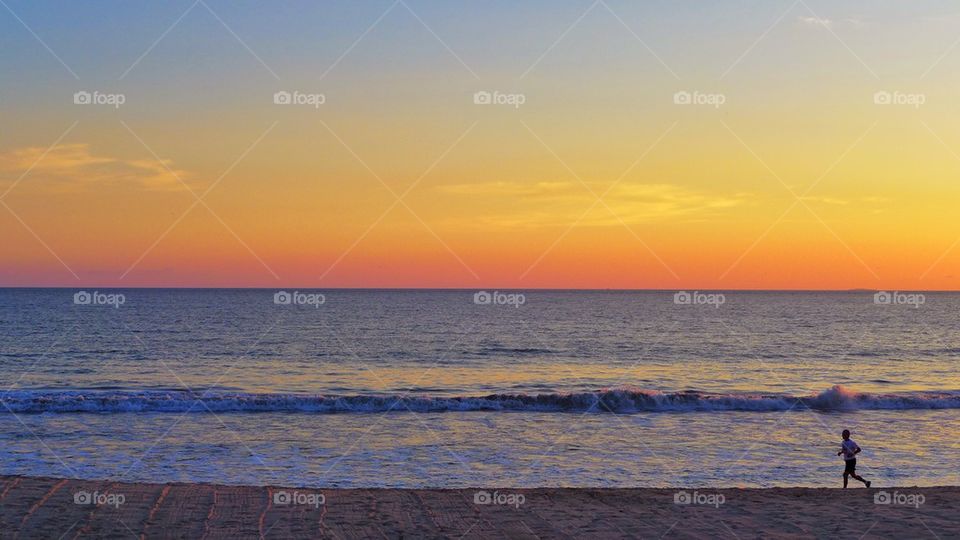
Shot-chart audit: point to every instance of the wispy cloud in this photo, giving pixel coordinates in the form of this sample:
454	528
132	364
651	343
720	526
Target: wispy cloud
507	188
848	23
826	200
816	21
549	204
73	167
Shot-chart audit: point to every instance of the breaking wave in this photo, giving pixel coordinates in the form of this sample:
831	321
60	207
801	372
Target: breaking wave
621	400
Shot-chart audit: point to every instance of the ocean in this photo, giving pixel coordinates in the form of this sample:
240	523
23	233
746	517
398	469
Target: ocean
458	388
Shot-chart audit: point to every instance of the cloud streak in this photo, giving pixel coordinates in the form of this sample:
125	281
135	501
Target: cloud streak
74	167
553	204
816	21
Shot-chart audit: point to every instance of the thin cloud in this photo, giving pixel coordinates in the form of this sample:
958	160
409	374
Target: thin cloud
74	167
816	21
551	204
506	188
826	200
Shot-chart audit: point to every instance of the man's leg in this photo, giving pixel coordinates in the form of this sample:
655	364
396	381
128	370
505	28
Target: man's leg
845	479
860	478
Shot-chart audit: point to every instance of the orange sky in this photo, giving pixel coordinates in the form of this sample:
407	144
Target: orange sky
801	179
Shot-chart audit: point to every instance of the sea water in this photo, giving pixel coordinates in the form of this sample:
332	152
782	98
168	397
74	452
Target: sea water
457	388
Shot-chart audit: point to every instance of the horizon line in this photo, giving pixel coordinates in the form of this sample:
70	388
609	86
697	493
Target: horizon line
569	289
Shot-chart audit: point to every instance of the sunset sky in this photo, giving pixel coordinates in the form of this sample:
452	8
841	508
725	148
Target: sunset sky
798	180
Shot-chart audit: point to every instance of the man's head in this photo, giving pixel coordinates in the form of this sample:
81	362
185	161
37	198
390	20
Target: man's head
846	434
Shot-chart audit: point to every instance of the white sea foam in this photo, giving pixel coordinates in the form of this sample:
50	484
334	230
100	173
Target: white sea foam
620	400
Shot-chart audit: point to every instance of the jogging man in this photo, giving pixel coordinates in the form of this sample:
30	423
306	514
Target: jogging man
849	450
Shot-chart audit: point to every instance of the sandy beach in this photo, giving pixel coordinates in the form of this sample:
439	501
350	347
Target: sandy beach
33	507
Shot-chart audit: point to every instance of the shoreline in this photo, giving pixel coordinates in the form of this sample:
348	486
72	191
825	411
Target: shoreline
68	508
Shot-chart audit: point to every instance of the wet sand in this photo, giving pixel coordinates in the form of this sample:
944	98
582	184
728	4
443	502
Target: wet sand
57	508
